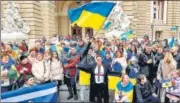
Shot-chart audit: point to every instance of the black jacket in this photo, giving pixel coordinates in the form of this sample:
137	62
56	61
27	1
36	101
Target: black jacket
177	58
144	67
143	91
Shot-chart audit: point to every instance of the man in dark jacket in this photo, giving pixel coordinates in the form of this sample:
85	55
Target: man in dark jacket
176	55
144	91
146	63
158	57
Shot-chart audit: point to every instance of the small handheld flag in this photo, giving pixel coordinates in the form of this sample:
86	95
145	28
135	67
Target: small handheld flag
128	35
107	25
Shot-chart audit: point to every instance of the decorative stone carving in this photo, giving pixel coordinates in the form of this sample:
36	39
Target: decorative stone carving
13	27
13	21
119	21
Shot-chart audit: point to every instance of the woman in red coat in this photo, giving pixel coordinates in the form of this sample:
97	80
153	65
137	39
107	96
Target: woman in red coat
70	71
24	68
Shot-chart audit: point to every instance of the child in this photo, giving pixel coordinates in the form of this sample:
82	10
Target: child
173	93
29	81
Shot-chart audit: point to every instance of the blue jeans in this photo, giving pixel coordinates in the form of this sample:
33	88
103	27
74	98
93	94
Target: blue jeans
150	99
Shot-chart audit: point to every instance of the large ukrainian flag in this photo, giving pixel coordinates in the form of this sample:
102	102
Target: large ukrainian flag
91	15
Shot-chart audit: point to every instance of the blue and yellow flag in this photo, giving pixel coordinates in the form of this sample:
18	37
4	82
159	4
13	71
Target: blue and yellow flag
127	35
107	25
91	15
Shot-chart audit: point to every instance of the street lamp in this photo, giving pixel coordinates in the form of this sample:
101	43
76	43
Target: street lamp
78	2
152	28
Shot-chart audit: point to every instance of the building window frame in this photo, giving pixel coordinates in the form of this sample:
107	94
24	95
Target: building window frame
154	6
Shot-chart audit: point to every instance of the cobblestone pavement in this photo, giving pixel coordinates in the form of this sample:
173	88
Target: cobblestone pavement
64	95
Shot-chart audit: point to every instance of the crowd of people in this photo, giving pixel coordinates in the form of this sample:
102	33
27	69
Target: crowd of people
154	64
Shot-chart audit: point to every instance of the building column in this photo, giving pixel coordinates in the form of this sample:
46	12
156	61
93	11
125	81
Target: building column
48	18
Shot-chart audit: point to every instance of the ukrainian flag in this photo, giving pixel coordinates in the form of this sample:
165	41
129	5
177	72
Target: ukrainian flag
91	15
128	34
107	25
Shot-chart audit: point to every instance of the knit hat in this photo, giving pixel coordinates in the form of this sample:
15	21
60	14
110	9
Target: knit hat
27	77
22	57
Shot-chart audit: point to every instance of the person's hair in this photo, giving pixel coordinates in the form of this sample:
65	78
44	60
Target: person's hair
134	48
98	55
123	75
168	58
4	55
121	53
56	54
39	54
140	77
177	71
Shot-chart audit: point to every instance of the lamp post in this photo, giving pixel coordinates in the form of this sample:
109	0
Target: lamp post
78	2
152	28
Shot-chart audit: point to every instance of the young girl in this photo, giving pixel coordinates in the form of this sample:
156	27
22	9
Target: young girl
56	70
173	93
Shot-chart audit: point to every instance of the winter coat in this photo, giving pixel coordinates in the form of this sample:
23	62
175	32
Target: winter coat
144	67
56	71
177	58
71	65
143	91
21	67
164	70
41	71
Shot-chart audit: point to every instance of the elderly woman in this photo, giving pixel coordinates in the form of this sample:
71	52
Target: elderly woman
166	66
124	90
41	69
144	90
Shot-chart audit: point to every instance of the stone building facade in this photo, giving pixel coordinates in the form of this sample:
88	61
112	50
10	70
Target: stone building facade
155	18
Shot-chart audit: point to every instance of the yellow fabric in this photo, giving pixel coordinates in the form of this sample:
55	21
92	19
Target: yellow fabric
133	81
59	49
129	95
112	82
84	78
89	19
167	84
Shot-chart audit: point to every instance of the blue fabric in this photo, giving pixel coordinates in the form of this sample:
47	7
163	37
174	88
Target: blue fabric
126	88
107	25
9	64
117	67
107	61
53	48
101	8
171	43
81	49
66	49
47	98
